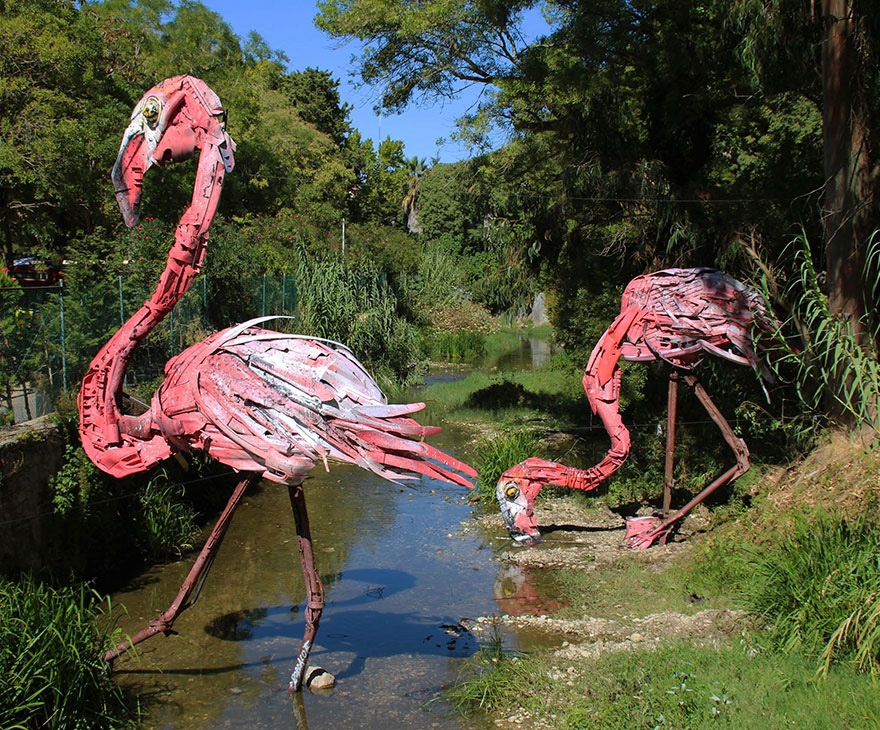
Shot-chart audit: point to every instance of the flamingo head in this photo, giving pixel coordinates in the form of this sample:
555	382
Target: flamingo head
170	122
516	492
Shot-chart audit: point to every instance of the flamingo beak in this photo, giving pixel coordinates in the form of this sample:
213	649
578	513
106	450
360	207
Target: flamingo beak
132	162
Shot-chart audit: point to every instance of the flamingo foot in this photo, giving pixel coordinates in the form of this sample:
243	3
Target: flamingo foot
643	532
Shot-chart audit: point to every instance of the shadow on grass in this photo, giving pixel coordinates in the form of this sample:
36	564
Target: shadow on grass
508	394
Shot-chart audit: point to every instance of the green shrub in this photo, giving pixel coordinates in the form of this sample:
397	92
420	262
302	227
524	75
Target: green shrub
494	456
52	674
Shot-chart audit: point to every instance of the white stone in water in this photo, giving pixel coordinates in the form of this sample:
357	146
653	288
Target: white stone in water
318	678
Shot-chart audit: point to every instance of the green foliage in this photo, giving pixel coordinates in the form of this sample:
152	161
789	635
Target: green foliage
51	671
677	686
460	346
77	483
495	455
65	93
108	525
815	585
493	676
169	522
834	363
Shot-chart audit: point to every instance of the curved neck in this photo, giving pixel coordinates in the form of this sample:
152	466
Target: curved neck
185	261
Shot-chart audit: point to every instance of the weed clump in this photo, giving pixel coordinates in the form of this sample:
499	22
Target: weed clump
817	587
51	671
495	455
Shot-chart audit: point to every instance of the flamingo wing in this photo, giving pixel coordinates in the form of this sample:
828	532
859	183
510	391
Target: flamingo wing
266	401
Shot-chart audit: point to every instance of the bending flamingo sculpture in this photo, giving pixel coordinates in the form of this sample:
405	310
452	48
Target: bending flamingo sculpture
267	404
677	316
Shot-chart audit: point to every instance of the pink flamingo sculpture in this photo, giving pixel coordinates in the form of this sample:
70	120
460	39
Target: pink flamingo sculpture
677	316
267	404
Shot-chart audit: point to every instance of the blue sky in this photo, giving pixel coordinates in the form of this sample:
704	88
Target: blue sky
287	25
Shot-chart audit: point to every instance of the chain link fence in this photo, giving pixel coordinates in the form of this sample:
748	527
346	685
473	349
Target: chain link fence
49	335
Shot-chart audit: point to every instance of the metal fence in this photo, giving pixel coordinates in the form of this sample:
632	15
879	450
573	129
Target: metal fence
48	335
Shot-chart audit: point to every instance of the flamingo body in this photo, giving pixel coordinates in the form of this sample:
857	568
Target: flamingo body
265	403
272	403
674	315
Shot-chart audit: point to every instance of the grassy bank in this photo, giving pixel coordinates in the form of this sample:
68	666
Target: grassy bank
801	568
678	686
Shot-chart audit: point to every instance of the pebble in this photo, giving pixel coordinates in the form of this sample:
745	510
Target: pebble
318	678
636	637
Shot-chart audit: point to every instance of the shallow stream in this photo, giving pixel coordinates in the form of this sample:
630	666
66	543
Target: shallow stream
400	576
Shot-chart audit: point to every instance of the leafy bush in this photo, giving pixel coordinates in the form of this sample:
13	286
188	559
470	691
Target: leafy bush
52	674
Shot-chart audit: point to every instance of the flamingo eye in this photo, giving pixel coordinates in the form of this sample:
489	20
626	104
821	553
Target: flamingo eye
152	109
511	492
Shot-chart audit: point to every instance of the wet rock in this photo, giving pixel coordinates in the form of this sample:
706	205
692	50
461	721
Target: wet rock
318	679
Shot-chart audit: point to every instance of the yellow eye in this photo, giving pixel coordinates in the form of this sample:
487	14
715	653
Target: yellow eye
152	109
511	492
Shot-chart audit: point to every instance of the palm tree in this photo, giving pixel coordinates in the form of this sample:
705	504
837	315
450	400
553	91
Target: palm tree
415	169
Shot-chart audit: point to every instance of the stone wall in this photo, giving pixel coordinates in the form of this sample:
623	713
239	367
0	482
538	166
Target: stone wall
29	455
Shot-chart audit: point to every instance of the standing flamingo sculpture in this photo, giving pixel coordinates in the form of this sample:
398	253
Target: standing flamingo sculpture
267	404
676	315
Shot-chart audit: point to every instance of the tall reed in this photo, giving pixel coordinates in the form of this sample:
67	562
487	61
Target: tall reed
835	363
52	675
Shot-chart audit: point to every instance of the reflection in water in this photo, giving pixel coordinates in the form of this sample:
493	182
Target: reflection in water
517	595
531	353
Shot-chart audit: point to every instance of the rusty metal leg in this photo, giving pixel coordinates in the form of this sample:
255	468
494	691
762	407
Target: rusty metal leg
737	470
671	411
192	586
314	587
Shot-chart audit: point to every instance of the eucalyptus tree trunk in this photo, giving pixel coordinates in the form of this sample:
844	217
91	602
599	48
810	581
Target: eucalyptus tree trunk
849	210
849	215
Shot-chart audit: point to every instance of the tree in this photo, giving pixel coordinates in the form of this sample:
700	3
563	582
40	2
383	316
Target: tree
632	142
415	169
67	84
835	42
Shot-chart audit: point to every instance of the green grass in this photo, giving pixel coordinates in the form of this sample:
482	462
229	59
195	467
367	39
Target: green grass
459	346
629	587
51	670
809	583
814	581
678	686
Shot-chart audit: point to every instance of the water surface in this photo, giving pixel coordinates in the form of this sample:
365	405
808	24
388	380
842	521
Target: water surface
400	576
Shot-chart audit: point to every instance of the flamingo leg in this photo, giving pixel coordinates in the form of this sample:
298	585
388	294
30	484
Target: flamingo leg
314	587
661	532
671	413
192	586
